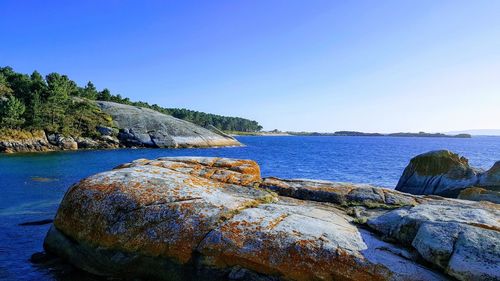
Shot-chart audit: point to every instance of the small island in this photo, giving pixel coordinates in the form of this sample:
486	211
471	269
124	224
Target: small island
349	134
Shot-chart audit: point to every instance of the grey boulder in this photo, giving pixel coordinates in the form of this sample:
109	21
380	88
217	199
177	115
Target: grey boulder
446	174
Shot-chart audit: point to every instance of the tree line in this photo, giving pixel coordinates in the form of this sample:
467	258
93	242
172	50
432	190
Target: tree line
203	119
48	103
55	103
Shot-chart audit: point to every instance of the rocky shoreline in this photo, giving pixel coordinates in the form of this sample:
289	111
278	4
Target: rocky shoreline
193	218
133	127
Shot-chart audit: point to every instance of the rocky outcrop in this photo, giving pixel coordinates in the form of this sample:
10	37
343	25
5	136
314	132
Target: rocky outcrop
34	141
491	178
143	127
135	127
195	218
460	237
38	141
445	173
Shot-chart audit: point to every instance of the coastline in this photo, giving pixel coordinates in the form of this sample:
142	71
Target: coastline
337	134
386	228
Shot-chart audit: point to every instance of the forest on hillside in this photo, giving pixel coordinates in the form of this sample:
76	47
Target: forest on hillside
55	103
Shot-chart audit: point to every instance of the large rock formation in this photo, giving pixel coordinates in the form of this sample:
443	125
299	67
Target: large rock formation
144	127
215	218
445	173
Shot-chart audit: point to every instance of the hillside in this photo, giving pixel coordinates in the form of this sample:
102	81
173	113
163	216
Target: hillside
34	102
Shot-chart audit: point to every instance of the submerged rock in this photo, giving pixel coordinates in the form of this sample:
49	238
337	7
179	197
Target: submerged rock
445	173
34	223
145	127
214	218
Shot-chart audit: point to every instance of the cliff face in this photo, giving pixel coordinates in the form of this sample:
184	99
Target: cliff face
201	218
148	128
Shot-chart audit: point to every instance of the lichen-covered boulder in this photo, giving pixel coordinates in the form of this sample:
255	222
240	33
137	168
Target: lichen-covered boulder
446	174
143	127
437	172
199	218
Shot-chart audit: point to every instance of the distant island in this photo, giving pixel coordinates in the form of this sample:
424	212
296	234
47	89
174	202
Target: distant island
353	134
361	134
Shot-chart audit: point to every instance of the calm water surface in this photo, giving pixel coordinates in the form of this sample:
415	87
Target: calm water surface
32	185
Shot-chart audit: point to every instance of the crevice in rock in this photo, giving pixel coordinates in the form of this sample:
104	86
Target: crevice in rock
153	204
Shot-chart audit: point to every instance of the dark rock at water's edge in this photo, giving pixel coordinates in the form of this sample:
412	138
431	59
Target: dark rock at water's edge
195	218
135	127
447	174
34	223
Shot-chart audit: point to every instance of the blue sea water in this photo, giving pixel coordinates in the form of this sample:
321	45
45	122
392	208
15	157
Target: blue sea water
32	185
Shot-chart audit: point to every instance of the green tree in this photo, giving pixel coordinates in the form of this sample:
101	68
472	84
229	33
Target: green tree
56	101
11	110
104	95
4	86
89	92
34	106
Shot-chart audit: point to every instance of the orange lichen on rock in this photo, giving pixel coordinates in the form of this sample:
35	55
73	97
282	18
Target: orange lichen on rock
192	214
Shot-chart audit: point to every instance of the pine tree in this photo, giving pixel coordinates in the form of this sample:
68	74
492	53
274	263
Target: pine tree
11	110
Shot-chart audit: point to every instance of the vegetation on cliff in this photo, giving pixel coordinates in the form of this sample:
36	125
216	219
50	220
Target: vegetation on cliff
56	104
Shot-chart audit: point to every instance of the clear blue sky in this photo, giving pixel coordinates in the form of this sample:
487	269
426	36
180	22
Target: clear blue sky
385	66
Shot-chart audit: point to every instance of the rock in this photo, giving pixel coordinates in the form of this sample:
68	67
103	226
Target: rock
461	237
40	222
446	174
345	194
192	218
102	142
68	143
480	194
491	178
107	131
63	142
86	143
109	141
41	257
34	141
144	127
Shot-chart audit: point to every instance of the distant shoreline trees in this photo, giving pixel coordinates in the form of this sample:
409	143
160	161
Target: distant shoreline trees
57	104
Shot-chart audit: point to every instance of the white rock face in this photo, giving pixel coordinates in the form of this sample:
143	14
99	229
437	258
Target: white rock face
145	127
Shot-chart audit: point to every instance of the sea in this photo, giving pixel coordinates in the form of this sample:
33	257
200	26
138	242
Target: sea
32	185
